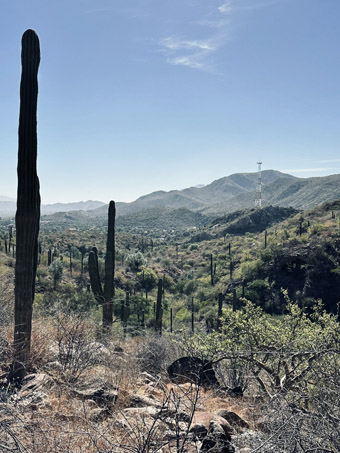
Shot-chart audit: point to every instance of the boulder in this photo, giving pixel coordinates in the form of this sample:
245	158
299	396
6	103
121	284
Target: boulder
202	421
193	369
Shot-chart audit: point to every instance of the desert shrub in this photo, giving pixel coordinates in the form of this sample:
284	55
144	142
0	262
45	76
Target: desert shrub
155	354
134	261
75	345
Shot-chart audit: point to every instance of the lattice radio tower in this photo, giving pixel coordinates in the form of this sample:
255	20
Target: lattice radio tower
258	198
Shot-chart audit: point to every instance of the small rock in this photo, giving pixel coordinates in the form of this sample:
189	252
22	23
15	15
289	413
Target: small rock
143	401
235	420
147	378
102	396
141	411
98	414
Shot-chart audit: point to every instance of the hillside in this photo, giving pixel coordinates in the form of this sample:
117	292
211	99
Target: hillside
200	198
300	193
156	219
254	220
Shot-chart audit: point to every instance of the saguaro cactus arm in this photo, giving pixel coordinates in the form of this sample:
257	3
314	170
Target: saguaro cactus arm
96	285
28	198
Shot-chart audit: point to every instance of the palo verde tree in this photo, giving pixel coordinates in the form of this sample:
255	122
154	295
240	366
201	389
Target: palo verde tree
104	296
28	202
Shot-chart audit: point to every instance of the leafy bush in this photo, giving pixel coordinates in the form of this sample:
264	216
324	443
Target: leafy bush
134	261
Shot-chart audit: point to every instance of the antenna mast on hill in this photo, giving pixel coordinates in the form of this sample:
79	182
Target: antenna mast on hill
258	198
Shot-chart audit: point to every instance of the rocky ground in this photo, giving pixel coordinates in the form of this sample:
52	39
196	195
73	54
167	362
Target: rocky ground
112	405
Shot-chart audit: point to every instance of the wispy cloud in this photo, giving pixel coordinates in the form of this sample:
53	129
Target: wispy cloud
192	61
194	53
173	43
225	8
198	53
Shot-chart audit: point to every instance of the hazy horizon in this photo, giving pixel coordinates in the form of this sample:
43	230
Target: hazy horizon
166	95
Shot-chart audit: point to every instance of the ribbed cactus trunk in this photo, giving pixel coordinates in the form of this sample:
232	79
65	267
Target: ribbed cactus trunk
105	296
109	269
159	311
28	200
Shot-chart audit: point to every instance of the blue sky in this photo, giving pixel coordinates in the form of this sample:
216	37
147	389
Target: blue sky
144	95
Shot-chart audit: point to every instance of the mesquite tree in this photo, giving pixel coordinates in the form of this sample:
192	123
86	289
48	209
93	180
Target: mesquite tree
28	200
105	295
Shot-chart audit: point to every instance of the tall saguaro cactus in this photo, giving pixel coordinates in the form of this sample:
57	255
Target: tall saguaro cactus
28	199
159	310
105	296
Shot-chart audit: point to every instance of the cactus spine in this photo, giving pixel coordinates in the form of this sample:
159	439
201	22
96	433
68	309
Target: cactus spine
105	296
28	201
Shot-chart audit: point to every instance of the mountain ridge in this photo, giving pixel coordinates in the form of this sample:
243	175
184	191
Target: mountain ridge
221	196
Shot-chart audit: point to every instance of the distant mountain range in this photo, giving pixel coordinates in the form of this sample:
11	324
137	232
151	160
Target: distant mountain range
8	206
223	196
203	198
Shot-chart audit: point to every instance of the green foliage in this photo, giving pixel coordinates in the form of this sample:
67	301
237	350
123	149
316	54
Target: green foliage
282	351
260	292
147	279
134	261
56	269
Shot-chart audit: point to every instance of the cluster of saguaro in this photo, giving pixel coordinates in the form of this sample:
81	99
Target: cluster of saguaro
105	295
83	250
28	201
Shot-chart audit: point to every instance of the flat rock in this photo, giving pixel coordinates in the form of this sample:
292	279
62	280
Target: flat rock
100	395
235	420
